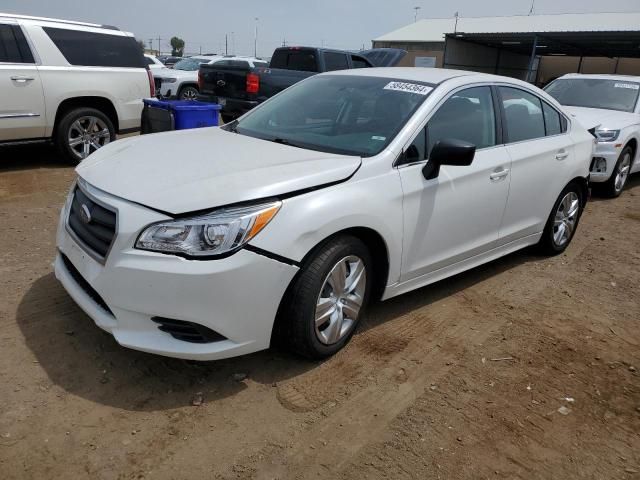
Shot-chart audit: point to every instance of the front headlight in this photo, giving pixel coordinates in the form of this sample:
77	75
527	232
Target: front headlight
216	233
607	135
169	80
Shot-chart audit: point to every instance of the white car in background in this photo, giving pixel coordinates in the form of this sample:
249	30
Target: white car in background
609	105
153	63
347	186
76	84
181	81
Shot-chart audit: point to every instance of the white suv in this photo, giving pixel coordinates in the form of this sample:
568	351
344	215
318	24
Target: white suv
609	105
77	84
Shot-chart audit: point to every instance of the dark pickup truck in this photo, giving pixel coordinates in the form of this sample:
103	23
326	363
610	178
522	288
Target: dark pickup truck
238	87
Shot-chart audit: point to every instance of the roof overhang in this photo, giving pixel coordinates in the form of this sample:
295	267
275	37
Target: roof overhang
586	44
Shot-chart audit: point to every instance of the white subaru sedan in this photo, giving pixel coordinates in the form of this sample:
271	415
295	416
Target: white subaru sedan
283	225
610	106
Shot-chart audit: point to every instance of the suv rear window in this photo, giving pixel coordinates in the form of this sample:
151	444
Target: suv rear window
295	60
13	46
91	49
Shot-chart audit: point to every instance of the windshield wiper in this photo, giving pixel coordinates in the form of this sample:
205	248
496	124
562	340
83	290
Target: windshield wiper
284	141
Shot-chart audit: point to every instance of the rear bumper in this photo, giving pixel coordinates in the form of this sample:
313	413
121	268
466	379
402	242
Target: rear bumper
233	107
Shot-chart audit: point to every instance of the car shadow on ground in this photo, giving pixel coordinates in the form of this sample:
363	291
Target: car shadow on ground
85	361
29	157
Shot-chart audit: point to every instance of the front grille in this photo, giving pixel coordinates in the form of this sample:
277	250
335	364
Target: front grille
93	225
188	331
84	285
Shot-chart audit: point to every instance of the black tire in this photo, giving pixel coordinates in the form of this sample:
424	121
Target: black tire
297	331
609	188
65	128
548	244
188	92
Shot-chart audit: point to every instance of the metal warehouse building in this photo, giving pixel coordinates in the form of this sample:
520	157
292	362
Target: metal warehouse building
537	48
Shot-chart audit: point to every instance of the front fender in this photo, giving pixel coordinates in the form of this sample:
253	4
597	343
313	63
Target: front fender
306	220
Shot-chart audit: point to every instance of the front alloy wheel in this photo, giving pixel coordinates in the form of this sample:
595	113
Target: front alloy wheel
614	186
326	299
340	300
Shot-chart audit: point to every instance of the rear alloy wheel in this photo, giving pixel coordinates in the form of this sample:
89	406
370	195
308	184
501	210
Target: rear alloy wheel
563	221
188	93
614	186
326	300
83	131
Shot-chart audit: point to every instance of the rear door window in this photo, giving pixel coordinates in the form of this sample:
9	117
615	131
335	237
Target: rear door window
335	61
552	120
304	60
92	49
13	45
523	115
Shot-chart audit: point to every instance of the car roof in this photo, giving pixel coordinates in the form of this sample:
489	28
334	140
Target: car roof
58	22
628	78
428	75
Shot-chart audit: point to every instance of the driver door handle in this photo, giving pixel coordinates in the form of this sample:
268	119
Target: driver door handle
499	174
22	78
561	155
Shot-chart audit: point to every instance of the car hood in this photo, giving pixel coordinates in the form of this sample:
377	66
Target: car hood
597	117
171	73
185	171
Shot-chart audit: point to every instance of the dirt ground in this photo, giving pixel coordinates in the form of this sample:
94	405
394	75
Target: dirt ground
528	368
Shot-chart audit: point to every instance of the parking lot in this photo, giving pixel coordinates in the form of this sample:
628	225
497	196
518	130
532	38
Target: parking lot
526	367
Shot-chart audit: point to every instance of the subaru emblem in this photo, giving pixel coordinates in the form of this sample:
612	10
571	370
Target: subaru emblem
85	213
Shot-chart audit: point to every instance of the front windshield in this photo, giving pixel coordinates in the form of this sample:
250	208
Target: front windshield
352	115
189	64
619	95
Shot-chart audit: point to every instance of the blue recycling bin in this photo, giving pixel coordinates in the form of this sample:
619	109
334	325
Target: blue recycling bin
165	115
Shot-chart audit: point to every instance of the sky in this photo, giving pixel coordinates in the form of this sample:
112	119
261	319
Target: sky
347	24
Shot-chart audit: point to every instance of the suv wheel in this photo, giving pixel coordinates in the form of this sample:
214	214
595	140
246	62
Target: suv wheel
188	93
563	221
614	186
81	132
326	300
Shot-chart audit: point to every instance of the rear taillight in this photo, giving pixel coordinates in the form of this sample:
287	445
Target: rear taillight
253	83
200	80
152	85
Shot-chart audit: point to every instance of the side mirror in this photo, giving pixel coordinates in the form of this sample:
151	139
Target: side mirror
448	151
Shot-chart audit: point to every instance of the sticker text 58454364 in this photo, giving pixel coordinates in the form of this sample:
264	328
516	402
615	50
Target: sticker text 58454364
408	88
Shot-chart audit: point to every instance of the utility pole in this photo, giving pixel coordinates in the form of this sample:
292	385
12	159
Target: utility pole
151	44
255	40
233	43
226	44
533	6
415	15
159	39
455	28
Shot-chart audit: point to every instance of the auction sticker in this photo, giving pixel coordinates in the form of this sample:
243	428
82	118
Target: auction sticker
408	88
631	86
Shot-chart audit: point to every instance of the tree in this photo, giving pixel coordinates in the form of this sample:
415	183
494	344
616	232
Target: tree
177	46
143	47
